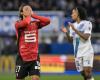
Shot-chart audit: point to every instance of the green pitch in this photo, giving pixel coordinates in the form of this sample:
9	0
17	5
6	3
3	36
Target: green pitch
48	77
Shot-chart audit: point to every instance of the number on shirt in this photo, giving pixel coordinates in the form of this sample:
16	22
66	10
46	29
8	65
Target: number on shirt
30	37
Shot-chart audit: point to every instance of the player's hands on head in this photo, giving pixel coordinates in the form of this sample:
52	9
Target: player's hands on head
64	29
27	10
33	13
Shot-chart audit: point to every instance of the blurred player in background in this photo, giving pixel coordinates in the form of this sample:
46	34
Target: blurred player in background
80	34
27	62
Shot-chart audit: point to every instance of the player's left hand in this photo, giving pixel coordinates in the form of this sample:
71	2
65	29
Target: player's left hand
33	13
71	25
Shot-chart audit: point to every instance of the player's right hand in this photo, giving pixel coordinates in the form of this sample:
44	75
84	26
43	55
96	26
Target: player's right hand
64	29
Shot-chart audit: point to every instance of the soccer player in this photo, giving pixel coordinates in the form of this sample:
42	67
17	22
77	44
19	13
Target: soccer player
27	62
79	33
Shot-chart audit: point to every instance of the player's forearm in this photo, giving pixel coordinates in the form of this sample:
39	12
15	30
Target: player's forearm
69	38
82	35
23	23
41	18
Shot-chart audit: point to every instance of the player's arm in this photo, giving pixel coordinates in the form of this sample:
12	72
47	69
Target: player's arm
23	23
43	21
69	38
84	36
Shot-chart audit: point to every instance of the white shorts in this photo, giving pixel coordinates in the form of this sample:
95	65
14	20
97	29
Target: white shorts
85	61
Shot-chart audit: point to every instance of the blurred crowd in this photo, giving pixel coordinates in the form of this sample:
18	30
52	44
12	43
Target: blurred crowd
92	7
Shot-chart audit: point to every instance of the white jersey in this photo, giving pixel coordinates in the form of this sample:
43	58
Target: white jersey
82	47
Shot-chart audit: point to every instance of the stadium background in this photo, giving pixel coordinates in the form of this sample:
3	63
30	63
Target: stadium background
56	53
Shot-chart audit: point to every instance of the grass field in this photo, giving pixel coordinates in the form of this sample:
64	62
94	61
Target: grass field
49	77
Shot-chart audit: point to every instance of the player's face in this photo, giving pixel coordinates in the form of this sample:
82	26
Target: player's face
74	14
27	10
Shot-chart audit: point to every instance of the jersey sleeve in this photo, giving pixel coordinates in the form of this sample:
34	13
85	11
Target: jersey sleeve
23	23
43	21
88	28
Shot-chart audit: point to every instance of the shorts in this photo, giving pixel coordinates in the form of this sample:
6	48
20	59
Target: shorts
28	68
85	61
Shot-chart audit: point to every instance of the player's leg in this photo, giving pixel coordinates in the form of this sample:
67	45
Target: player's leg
79	66
88	73
20	69
82	73
34	72
35	77
20	72
87	67
78	63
